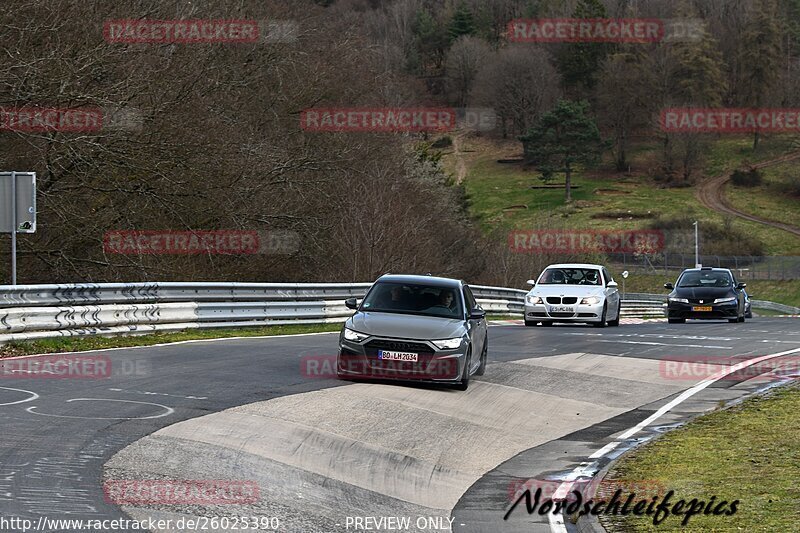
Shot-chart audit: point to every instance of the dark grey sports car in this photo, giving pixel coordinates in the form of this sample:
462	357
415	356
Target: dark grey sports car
706	293
420	328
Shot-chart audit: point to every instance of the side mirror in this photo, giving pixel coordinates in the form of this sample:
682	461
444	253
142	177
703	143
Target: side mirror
612	284
741	286
351	303
669	286
531	282
477	314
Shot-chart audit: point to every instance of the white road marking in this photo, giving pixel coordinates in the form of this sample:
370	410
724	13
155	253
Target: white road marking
167	410
659	336
652	343
146	393
217	339
557	521
32	397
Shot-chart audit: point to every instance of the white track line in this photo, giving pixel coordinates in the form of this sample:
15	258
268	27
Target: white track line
176	343
557	520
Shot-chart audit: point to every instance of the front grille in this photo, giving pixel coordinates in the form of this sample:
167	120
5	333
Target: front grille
397	346
555	300
536	314
703	301
345	351
562	315
586	315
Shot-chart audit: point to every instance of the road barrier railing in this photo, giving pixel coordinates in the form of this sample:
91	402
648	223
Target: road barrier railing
41	311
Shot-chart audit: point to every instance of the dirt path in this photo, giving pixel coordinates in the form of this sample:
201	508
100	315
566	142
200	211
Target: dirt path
711	193
461	167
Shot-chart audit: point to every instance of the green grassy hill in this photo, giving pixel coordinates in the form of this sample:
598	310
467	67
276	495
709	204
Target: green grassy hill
500	197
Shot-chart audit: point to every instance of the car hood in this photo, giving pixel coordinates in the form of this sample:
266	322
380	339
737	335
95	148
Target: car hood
405	326
703	292
567	290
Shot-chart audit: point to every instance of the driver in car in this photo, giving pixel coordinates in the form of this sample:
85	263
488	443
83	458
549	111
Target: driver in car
591	278
445	301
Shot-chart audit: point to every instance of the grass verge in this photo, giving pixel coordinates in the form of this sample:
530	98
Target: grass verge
747	453
82	344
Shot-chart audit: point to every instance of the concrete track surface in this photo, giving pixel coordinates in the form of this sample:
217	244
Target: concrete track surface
325	453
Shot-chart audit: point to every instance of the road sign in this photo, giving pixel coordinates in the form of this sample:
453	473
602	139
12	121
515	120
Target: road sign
17	209
25	192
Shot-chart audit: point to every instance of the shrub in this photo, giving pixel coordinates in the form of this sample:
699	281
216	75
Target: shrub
443	142
746	178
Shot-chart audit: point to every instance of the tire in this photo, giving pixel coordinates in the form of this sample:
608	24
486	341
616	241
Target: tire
529	323
484	357
615	322
602	322
676	320
464	383
546	323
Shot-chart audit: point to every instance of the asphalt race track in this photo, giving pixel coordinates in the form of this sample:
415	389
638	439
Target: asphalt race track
323	450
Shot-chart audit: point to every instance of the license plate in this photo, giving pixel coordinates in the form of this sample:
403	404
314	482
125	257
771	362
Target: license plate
387	355
561	309
702	308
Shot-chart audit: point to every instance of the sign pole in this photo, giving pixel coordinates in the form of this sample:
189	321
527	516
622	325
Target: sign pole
13	228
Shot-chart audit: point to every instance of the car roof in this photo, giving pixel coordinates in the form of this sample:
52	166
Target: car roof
420	280
575	265
707	269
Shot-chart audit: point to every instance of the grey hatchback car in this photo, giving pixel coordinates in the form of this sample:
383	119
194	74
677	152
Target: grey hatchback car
416	328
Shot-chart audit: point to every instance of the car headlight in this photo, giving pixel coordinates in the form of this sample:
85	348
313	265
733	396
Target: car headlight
591	300
448	344
681	300
354	336
534	300
725	300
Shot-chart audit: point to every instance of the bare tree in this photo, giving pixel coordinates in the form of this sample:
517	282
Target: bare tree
466	56
519	83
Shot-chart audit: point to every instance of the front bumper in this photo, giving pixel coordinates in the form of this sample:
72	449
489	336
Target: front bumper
581	313
359	360
682	310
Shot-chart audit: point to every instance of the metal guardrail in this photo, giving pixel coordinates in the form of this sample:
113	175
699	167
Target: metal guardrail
40	311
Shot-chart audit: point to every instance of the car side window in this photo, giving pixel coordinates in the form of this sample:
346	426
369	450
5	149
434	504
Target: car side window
607	275
470	299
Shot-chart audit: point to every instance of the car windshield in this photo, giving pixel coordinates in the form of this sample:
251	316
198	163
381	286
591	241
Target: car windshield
705	279
411	299
570	276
